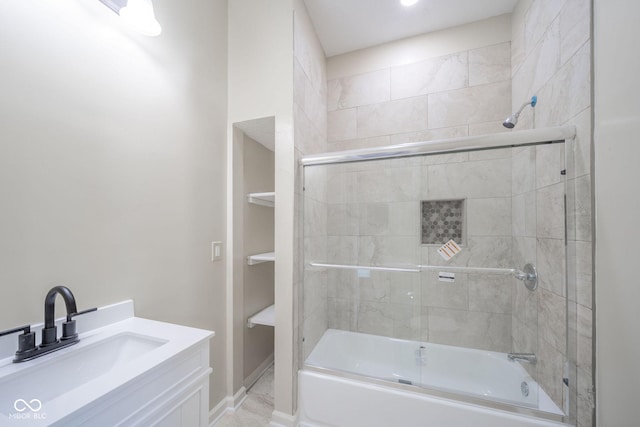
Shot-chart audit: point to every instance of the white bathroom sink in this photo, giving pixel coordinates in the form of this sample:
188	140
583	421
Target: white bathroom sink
74	366
115	352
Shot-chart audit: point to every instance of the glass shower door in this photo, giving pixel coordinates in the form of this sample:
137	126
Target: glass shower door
425	251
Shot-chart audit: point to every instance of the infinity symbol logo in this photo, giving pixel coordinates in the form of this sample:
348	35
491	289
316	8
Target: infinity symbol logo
21	405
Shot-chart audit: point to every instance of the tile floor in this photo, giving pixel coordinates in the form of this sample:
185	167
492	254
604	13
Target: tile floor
256	409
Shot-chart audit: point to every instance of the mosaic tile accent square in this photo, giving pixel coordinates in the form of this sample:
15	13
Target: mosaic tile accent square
442	220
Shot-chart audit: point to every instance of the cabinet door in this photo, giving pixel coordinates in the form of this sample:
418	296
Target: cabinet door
185	415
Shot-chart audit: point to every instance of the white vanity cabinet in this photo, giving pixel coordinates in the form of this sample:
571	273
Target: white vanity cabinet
174	394
124	371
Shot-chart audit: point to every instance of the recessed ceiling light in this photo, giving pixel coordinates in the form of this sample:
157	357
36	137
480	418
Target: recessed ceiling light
407	3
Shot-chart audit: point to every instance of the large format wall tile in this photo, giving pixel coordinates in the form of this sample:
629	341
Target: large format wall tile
518	23
550	370
525	305
310	141
549	164
485	331
586	402
388	250
552	319
392	287
430	135
550	211
343	219
388	319
342	124
575	27
479	251
354	91
315	223
585	336
582	144
523	172
436	293
539	67
490	293
568	92
490	64
388	185
433	75
355	144
489	217
342	249
551	265
584	279
490	178
405	115
583	208
341	186
478	104
523	214
342	314
539	18
525	337
487	128
396	219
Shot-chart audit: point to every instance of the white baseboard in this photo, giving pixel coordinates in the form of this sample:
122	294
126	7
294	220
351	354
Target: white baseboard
228	404
280	419
237	399
217	412
257	373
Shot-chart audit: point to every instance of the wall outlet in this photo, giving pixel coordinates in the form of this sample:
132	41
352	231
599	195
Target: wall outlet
216	251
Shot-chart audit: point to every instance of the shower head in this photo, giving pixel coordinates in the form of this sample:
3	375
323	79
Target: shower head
512	120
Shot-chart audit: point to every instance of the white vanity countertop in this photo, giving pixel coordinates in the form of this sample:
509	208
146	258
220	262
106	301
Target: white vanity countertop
115	347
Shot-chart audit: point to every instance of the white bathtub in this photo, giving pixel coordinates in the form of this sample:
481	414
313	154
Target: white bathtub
414	382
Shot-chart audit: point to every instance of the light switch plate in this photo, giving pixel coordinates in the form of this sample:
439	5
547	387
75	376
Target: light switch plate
216	251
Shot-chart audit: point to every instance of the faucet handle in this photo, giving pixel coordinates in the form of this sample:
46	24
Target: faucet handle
69	327
26	340
69	330
72	315
24	329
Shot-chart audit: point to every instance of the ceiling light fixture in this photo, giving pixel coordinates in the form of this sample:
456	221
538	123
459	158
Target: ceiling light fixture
408	3
138	14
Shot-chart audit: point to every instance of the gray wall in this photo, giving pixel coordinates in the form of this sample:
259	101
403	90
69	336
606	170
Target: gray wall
112	170
617	151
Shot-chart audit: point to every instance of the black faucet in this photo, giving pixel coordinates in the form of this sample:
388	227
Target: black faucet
49	332
27	348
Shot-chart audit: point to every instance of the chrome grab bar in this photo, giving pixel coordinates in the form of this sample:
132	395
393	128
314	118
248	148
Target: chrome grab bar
528	274
408	269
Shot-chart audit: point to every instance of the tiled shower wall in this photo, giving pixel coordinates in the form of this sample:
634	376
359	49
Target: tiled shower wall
464	93
538	227
374	219
459	94
551	58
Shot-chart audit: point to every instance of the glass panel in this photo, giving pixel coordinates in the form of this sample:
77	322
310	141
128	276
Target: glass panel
378	302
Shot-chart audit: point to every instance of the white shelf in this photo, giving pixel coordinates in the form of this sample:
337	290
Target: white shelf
265	317
260	258
262	199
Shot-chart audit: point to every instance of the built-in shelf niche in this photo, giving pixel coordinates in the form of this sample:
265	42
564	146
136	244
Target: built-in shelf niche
442	220
266	317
